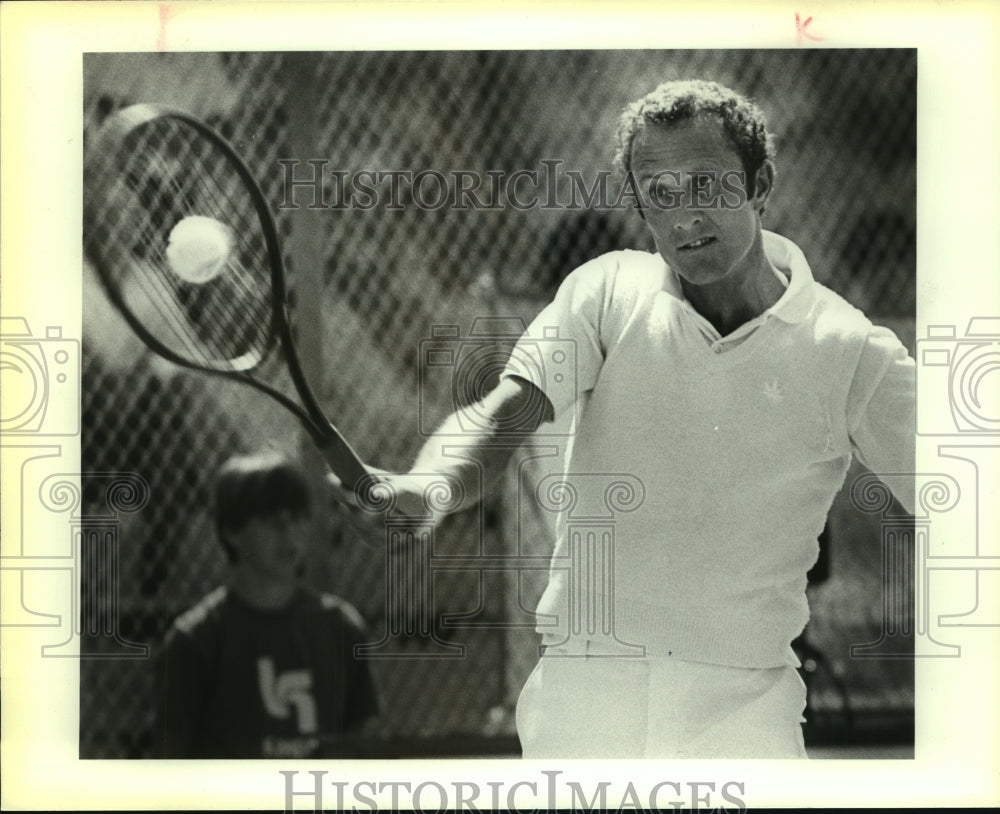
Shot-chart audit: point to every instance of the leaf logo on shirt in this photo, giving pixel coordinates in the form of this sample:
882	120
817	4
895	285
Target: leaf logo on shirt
774	391
291	690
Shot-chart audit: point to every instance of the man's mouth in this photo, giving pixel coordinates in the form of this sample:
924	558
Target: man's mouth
697	244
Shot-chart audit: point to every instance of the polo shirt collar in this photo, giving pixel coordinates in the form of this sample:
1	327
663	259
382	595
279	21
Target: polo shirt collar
795	304
797	301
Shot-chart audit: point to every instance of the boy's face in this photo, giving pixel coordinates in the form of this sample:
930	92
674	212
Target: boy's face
271	546
693	188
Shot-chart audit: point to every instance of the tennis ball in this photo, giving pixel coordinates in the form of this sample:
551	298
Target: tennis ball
198	248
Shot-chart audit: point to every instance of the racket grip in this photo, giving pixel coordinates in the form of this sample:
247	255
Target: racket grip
341	458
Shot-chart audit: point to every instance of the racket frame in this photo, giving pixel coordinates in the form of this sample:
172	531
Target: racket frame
338	453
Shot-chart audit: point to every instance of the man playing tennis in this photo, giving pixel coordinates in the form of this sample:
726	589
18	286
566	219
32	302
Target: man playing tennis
736	389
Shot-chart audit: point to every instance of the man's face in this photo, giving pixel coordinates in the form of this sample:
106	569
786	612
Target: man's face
693	189
271	546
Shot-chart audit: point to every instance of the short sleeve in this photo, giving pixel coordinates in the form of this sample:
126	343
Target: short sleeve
562	350
881	412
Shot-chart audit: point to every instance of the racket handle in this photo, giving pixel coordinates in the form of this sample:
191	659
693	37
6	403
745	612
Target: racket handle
341	458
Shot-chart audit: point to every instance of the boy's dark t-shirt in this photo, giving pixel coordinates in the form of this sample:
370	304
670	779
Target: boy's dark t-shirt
241	682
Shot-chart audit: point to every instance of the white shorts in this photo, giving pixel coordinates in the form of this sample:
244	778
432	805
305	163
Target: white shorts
585	700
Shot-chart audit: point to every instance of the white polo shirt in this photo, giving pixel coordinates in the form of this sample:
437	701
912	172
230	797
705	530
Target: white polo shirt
737	446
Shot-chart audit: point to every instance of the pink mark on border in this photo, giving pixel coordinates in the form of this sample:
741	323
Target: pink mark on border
800	30
161	37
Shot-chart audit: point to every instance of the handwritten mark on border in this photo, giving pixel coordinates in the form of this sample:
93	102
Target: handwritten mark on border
800	30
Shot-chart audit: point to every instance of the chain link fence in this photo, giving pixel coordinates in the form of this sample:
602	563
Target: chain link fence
392	274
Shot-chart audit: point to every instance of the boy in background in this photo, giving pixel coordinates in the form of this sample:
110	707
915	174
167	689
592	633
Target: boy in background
263	667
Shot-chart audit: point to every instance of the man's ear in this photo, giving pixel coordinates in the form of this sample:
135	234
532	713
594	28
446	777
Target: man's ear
634	185
763	186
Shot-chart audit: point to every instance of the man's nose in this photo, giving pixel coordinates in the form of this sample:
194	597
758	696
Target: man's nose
685	220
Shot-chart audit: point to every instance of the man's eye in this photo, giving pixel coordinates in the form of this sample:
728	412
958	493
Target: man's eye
666	195
702	182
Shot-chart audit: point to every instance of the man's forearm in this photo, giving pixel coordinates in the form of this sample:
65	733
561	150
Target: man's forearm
474	458
474	445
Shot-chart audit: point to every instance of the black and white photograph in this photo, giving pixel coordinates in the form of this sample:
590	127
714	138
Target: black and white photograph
434	417
440	221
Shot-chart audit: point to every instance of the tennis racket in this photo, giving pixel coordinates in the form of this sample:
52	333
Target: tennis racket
186	247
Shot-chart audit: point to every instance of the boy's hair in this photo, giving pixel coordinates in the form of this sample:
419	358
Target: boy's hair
695	99
249	486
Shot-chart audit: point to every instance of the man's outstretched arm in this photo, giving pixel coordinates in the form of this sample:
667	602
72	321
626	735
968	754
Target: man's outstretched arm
472	446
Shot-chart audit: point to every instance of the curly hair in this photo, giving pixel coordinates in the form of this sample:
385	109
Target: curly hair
686	100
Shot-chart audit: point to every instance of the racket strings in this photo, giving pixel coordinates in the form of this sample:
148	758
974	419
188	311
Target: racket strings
161	173
162	198
133	265
210	305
